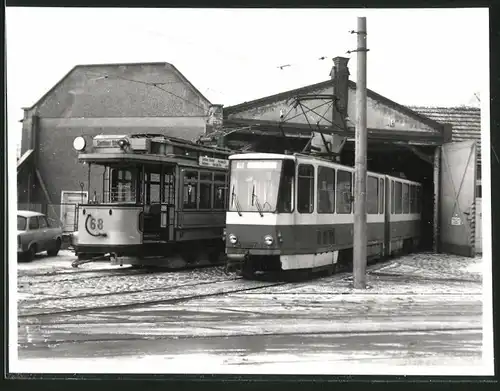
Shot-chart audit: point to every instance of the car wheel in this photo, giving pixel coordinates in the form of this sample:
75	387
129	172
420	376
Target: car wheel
30	254
55	250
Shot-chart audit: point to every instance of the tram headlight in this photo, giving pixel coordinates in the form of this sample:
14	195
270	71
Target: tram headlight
122	143
233	239
268	239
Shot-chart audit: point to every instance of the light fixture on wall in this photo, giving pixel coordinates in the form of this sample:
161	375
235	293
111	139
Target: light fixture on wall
79	143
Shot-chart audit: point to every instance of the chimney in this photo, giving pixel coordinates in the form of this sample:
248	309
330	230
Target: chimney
215	118
340	78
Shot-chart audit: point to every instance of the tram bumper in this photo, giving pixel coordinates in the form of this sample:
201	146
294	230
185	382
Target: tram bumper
235	262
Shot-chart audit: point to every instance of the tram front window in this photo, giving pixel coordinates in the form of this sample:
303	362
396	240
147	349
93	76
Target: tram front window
123	185
254	185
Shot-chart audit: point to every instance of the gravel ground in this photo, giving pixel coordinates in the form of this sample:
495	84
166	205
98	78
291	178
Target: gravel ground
422	309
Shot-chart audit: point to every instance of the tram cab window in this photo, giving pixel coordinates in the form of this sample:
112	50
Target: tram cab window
398	197
285	195
372	195
326	190
220	191
190	189
123	185
344	192
381	196
305	189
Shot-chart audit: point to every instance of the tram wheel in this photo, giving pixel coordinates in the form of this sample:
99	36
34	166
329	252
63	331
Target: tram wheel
407	246
189	256
247	271
330	270
213	255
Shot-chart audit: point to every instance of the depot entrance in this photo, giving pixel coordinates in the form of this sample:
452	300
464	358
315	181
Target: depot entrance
390	159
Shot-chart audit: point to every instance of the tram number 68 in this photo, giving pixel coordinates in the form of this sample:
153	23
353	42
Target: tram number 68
93	224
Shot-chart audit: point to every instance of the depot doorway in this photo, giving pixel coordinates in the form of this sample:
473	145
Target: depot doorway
391	159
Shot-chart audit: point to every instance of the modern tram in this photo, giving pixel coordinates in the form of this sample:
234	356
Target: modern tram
295	212
162	200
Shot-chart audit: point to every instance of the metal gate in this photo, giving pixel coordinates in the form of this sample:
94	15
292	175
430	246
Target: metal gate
458	196
69	202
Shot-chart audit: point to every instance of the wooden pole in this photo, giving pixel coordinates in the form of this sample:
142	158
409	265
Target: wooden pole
360	228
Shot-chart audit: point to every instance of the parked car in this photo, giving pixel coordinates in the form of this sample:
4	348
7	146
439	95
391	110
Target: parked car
35	234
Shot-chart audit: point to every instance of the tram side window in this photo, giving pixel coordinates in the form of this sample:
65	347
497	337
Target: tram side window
190	189
412	198
168	189
418	201
381	196
406	198
326	190
398	197
220	191
372	195
205	190
393	198
344	192
123	184
285	194
305	191
153	190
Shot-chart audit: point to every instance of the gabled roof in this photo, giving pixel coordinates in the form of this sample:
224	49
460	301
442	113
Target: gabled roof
465	121
324	84
23	160
116	65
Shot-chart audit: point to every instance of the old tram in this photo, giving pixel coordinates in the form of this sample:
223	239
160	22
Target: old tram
163	201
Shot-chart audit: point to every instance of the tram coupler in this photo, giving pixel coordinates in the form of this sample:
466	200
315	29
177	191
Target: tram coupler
234	263
98	258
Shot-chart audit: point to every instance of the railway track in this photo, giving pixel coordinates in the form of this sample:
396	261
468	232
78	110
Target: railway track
219	291
133	298
171	287
67	276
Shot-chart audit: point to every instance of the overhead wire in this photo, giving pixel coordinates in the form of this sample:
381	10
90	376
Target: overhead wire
156	85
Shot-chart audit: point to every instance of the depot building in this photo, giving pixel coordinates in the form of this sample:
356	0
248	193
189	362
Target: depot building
156	98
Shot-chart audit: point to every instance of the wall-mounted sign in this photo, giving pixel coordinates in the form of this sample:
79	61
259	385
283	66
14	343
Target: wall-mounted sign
213	162
456	220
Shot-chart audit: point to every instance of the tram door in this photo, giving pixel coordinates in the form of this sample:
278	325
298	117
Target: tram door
159	202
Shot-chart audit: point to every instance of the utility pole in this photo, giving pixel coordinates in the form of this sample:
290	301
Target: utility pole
360	227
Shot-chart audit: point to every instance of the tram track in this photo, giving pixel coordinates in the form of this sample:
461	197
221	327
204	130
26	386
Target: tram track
135	300
51	277
172	287
141	303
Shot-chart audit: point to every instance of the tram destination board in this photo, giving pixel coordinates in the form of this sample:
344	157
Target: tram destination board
213	162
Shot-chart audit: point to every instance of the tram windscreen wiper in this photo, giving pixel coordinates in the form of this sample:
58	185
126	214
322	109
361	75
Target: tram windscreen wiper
234	199
254	196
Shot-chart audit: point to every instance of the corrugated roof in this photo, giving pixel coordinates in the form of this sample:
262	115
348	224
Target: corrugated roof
465	121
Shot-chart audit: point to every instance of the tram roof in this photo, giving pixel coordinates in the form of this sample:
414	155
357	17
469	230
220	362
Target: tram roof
123	158
261	156
276	156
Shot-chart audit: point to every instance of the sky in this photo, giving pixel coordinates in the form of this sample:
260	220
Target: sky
422	57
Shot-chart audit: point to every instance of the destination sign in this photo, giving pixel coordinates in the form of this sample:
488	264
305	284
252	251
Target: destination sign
110	143
213	162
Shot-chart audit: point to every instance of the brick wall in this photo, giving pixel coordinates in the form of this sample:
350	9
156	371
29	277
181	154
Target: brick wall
58	163
92	100
123	91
